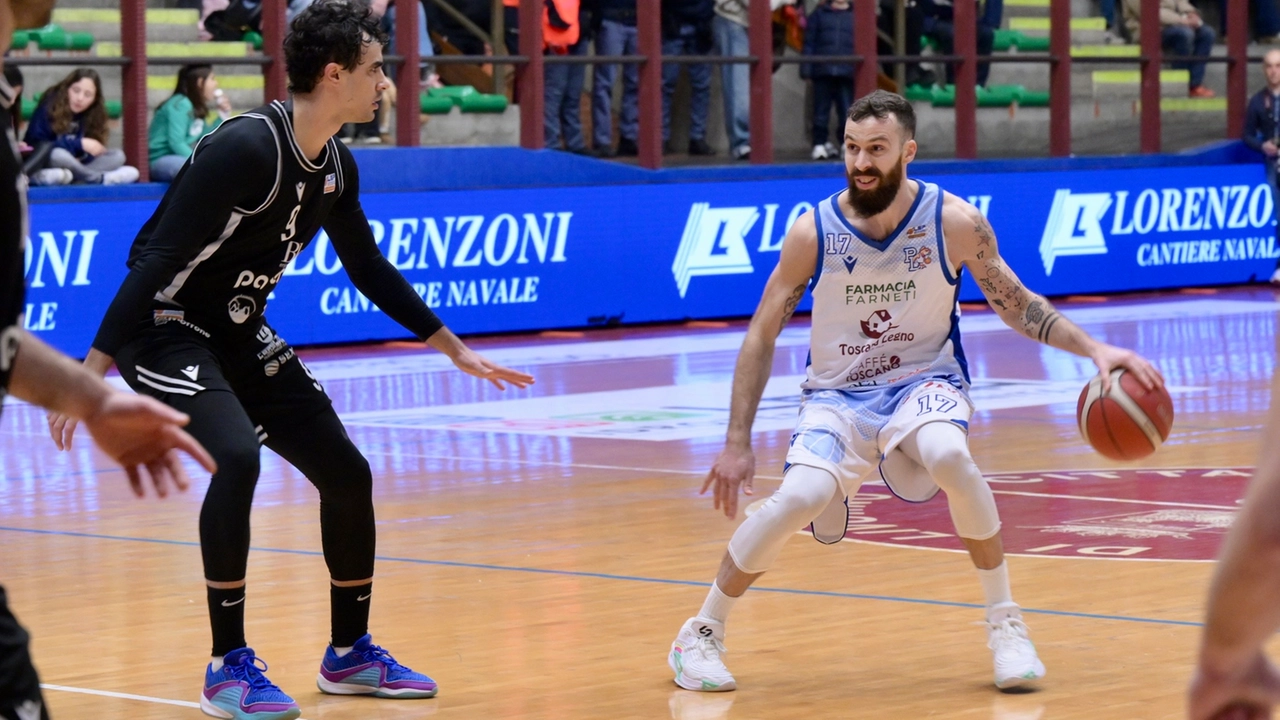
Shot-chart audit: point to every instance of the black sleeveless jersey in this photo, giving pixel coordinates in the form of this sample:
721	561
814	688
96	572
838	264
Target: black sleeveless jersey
246	204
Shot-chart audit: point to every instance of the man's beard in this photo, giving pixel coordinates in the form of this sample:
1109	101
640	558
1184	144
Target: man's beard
873	202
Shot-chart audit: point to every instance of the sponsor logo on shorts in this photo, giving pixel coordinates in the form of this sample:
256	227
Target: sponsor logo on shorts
165	316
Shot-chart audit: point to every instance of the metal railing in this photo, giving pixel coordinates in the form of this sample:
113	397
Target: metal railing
530	61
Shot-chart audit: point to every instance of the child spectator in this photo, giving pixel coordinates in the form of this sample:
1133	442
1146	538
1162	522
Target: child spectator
73	117
183	119
829	32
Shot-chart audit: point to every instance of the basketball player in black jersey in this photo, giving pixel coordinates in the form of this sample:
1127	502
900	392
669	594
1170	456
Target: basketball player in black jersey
187	327
137	432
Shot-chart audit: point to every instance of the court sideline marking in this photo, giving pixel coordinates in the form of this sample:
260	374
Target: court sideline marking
613	576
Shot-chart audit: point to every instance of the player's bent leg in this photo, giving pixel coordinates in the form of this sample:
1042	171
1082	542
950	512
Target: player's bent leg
352	664
943	449
696	655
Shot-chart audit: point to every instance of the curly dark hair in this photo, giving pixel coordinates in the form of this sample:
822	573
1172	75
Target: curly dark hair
94	117
328	31
880	105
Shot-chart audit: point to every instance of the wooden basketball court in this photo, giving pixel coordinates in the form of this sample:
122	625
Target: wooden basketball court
538	550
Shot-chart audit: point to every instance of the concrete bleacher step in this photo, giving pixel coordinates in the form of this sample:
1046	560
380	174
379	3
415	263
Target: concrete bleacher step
166	25
181	49
1128	83
1084	30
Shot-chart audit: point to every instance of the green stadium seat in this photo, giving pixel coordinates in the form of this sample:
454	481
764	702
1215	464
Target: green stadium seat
254	39
919	93
455	93
114	108
994	96
1034	98
53	40
81	41
435	105
1005	40
1028	43
29	107
20	40
483	103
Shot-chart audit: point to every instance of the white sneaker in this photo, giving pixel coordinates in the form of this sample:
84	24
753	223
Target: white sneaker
52	176
695	657
122	175
833	151
742	152
819	153
1275	276
1015	657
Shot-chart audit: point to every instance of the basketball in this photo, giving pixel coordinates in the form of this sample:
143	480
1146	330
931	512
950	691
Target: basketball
1126	423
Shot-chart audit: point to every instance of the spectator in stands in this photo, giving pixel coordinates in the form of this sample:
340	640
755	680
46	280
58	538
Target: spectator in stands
13	76
829	32
939	24
565	32
730	29
1262	129
188	115
886	11
616	36
73	117
686	30
1183	32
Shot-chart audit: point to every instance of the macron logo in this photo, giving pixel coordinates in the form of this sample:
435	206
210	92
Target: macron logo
714	243
1074	227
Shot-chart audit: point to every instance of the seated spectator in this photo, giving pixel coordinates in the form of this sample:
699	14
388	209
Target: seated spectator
13	76
183	119
686	30
829	32
72	116
1182	33
939	23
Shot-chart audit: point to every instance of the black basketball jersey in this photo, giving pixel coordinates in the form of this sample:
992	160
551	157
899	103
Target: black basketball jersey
245	205
240	263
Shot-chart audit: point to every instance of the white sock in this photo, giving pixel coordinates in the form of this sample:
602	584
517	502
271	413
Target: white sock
216	662
341	651
717	605
995	587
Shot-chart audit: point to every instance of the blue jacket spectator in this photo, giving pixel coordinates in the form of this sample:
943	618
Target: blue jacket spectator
828	32
72	116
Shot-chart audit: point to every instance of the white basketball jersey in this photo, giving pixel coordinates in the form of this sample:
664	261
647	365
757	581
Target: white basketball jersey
884	312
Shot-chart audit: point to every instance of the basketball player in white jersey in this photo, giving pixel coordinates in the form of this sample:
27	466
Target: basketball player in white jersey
886	392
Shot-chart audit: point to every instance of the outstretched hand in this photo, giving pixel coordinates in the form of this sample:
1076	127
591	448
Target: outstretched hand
1110	357
473	363
1247	695
144	436
734	468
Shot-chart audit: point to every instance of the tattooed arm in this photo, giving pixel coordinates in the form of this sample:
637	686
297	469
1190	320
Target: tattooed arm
786	286
971	242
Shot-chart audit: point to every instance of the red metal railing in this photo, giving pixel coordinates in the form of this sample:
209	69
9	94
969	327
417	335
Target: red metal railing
530	64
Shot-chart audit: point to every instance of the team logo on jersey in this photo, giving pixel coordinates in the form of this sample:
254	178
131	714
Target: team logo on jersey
917	258
878	324
330	183
917	232
241	308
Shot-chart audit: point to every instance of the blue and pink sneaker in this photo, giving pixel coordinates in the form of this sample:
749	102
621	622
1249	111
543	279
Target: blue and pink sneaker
370	670
239	691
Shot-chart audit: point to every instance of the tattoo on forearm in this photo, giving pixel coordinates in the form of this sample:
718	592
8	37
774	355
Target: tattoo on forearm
790	308
1035	312
1047	325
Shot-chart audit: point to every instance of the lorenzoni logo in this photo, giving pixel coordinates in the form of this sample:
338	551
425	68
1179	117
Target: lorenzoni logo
714	243
1127	514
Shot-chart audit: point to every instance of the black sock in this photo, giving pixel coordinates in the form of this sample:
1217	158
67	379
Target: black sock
349	613
226	615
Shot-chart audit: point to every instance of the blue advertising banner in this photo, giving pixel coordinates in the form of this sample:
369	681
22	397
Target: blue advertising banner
536	258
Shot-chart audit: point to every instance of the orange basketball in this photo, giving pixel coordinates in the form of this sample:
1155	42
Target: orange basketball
1127	423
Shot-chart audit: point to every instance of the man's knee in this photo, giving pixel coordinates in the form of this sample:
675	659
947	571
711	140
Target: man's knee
1178	38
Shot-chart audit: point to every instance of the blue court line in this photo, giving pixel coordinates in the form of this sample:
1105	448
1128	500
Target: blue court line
627	578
